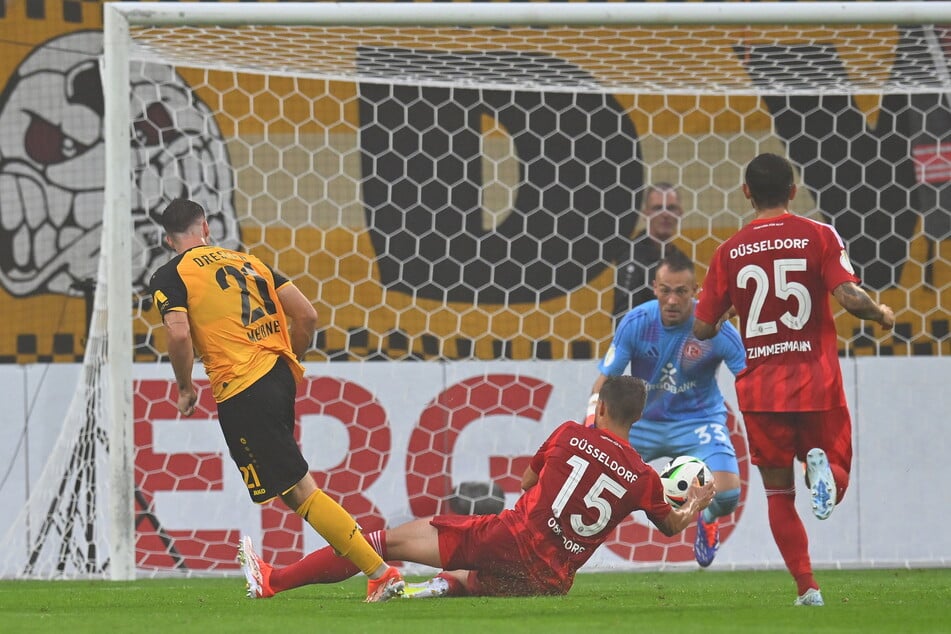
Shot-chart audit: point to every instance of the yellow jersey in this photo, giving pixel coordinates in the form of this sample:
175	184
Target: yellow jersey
237	323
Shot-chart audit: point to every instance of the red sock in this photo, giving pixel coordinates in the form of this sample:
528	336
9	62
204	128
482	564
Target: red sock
322	566
790	536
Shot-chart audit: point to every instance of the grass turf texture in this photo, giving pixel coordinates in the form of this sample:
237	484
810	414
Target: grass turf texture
708	601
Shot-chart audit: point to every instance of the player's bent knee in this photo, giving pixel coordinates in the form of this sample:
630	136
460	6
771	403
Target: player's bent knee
725	502
726	480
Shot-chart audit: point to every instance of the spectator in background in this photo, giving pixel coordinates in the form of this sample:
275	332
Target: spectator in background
636	260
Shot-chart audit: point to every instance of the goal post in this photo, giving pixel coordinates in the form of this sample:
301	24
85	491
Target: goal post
450	181
117	255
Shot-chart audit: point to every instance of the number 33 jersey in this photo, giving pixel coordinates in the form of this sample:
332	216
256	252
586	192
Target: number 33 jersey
238	326
778	274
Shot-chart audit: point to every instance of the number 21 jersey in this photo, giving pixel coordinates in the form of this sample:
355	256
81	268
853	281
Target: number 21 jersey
237	324
778	274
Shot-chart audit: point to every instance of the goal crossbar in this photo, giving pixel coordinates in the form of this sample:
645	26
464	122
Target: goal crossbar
493	14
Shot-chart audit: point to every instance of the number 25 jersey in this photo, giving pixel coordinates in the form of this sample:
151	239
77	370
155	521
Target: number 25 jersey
778	274
237	324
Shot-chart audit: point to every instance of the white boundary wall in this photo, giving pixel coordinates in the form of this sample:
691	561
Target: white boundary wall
892	516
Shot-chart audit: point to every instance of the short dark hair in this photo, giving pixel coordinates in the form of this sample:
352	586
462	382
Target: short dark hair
770	180
180	215
660	186
676	261
624	397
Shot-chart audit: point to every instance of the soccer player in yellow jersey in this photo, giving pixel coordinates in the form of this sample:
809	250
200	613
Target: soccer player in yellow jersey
250	325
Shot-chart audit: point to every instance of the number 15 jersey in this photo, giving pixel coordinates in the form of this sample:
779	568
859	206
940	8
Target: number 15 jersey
778	274
238	325
589	480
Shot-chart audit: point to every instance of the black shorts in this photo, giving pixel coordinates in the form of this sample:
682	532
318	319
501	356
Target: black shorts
258	425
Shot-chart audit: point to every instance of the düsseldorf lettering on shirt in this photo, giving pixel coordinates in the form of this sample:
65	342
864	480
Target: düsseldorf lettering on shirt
749	248
586	447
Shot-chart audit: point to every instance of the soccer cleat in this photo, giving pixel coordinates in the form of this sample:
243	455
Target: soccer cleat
812	596
431	589
256	572
707	542
387	587
821	483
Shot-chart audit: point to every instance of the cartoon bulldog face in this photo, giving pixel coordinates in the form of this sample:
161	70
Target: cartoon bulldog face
52	166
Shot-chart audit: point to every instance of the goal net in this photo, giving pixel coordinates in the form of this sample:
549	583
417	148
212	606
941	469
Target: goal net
461	183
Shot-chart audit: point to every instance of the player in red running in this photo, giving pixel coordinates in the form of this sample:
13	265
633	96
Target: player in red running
777	273
579	485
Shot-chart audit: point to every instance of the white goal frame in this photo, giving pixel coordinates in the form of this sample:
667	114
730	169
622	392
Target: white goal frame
117	221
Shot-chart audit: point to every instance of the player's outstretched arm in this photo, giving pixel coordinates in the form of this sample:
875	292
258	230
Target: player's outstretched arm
698	498
703	330
529	479
593	401
855	300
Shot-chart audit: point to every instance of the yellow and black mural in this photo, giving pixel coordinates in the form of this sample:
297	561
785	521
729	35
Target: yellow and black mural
52	172
448	222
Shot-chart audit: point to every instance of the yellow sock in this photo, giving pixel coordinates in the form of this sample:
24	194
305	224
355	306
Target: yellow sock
341	531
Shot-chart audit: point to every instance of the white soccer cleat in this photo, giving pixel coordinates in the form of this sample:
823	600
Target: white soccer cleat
256	572
821	483
430	589
812	597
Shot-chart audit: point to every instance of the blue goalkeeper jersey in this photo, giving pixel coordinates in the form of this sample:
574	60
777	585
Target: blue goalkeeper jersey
680	370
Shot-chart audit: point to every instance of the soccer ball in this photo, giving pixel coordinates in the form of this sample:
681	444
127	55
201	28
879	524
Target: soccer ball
679	474
477	498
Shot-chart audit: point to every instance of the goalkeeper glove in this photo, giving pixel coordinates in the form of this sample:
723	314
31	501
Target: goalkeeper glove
592	408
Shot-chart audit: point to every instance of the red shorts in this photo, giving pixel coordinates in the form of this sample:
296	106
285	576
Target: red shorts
777	437
484	545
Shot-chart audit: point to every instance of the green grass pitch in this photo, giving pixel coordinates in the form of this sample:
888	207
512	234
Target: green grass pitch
699	601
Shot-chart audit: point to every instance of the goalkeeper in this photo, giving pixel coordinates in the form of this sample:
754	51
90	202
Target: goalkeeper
579	485
250	325
685	413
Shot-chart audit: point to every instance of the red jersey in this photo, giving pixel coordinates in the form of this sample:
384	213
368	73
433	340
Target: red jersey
588	481
778	274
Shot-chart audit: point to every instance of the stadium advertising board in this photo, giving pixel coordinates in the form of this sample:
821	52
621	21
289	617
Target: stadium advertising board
392	440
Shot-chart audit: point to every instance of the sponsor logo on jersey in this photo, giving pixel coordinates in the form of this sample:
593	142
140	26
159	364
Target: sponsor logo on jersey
692	350
161	300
